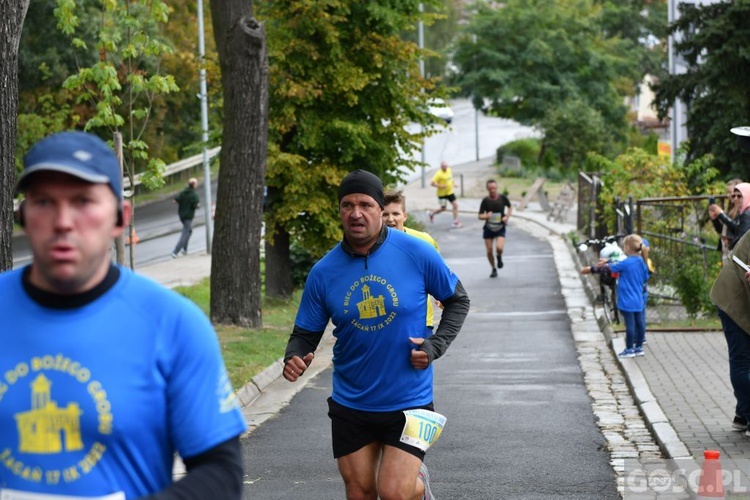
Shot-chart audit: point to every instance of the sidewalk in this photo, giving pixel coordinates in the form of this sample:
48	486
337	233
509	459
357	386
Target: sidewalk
681	385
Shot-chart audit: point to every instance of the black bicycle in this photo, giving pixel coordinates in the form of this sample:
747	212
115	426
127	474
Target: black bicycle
606	248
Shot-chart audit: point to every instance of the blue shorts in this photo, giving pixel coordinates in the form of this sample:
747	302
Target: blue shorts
491	235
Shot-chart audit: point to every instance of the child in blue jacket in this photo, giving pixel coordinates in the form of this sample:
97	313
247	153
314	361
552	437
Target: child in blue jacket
633	277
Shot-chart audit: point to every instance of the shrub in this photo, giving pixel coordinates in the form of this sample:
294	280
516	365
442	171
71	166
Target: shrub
691	276
527	150
302	261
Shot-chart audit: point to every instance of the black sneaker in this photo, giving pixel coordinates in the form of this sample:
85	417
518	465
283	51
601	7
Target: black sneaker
739	423
493	274
500	261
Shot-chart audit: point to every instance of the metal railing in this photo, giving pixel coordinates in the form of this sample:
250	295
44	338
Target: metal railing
676	227
176	167
171	169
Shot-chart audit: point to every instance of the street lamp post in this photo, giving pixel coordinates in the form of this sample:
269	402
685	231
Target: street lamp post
204	126
420	36
476	109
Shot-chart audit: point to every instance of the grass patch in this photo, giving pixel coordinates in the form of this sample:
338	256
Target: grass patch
712	323
248	351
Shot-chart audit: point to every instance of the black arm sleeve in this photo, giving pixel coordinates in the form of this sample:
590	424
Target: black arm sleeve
717	224
718	227
216	473
732	224
455	309
301	343
740	226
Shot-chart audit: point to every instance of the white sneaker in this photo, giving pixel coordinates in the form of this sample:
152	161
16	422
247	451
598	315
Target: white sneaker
425	477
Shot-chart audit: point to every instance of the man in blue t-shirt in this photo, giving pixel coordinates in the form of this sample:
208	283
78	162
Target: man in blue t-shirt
105	374
373	287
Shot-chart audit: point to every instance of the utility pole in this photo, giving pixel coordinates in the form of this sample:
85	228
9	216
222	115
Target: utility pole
476	109
420	34
204	126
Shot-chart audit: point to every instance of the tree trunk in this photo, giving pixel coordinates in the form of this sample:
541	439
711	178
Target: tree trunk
235	261
12	14
278	264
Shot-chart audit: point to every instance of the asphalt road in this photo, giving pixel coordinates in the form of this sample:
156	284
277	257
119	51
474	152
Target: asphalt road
520	423
157	226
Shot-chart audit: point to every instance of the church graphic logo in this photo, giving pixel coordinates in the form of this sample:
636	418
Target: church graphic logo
47	428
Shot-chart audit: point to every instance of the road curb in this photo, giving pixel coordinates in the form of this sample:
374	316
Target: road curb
251	391
654	417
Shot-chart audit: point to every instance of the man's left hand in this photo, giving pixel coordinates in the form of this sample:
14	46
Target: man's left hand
419	359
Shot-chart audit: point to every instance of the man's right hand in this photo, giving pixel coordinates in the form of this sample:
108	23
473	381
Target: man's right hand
714	211
295	367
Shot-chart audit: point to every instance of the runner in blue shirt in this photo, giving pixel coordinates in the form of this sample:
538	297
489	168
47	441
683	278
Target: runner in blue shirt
105	374
373	287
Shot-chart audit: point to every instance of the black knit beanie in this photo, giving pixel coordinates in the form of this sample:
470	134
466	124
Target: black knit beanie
362	182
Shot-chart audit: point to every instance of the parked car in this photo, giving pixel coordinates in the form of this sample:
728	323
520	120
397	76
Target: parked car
439	108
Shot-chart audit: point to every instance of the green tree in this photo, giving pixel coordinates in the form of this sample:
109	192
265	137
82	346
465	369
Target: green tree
714	42
572	130
12	14
122	85
441	26
47	59
644	24
534	58
235	260
639	175
345	87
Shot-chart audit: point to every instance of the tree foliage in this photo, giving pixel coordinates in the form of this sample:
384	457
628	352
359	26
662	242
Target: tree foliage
440	26
684	268
572	129
539	61
121	86
345	88
639	174
643	23
47	59
714	42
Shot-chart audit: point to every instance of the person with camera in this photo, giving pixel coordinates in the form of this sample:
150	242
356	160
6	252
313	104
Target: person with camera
738	225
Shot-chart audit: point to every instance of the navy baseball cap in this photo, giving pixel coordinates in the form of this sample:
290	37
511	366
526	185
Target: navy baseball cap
79	154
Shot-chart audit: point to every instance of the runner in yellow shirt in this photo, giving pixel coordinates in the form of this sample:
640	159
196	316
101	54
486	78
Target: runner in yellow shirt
394	216
443	181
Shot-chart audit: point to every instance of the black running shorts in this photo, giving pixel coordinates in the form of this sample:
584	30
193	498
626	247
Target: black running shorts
491	235
352	430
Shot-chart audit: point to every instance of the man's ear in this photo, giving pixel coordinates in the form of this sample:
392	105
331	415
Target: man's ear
19	214
123	217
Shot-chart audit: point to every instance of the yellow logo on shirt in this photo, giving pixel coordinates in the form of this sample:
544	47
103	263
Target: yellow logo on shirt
373	305
46	428
370	307
51	427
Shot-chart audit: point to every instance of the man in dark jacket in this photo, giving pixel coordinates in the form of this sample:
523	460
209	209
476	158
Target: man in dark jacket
187	202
